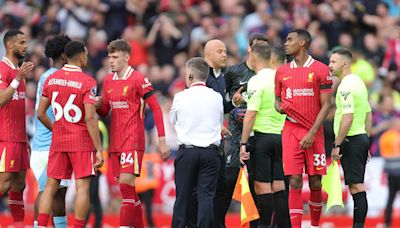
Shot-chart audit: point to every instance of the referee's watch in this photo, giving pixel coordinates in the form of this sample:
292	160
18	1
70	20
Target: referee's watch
334	145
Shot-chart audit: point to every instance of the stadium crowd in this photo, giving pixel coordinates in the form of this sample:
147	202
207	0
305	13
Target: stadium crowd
164	34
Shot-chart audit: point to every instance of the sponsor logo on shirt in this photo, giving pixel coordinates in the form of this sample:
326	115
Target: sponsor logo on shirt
310	77
345	94
305	92
18	95
288	93
119	104
146	84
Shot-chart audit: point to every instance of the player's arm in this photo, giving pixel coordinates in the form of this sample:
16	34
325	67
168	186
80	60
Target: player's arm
102	103
42	113
94	132
155	108
6	93
368	123
278	92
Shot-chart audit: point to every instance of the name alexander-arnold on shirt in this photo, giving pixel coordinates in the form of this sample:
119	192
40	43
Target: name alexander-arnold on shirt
63	82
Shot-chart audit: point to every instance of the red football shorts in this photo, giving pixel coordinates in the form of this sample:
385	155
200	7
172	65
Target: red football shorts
14	157
126	162
298	161
62	164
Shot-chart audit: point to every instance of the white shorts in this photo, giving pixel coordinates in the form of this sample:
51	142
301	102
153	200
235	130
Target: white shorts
38	163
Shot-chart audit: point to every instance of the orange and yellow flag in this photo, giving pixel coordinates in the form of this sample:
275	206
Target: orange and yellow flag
248	209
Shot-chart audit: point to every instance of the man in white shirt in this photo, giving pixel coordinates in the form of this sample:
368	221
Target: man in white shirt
197	114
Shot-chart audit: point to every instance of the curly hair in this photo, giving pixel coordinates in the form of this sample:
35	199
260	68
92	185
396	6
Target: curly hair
55	46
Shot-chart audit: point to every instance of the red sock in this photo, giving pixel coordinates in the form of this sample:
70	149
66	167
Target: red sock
43	220
295	207
127	212
78	223
315	205
138	218
16	204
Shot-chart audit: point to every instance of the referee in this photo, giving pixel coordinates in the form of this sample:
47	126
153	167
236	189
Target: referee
352	126
267	124
198	135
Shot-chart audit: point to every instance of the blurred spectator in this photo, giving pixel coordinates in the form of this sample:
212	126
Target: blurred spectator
381	121
136	36
390	150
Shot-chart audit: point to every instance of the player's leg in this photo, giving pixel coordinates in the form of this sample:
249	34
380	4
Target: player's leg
316	167
261	157
46	201
5	182
354	159
279	189
293	160
83	167
131	209
16	201
58	167
59	215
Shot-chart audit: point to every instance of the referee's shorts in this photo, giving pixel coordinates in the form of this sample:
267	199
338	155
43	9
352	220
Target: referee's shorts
355	155
267	157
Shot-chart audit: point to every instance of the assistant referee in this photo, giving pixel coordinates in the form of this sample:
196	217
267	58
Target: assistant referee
199	135
352	126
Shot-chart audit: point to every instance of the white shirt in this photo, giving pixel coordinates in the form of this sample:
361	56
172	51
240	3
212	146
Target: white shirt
197	114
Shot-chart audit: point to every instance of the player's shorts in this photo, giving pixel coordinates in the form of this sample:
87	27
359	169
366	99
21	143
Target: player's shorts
298	161
14	157
355	156
267	157
126	162
62	164
39	160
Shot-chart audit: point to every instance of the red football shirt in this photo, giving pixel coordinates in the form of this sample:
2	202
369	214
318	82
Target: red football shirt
68	89
12	115
125	98
300	89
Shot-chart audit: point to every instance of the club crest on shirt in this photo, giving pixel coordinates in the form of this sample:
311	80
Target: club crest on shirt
310	77
12	163
125	91
345	94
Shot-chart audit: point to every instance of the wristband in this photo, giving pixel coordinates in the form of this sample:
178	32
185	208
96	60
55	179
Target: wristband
334	145
14	84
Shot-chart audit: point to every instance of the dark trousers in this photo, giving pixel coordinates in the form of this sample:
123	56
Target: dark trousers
394	187
95	204
195	168
147	198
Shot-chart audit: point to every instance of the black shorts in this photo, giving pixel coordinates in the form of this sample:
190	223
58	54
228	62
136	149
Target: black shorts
267	157
355	155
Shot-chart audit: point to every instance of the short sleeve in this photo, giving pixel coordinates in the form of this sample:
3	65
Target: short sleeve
325	79
4	80
278	84
89	94
143	86
254	95
347	100
45	87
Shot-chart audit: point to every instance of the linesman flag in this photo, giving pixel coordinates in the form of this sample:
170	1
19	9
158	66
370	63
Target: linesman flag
248	209
332	185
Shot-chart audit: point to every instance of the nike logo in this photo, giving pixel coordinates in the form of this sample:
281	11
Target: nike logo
319	168
110	90
243	82
286	78
125	166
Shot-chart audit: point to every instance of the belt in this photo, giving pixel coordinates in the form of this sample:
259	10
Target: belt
212	146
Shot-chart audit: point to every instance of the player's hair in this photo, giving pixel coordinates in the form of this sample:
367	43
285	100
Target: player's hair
119	45
262	50
10	34
304	35
55	46
73	48
257	36
199	67
343	52
279	53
